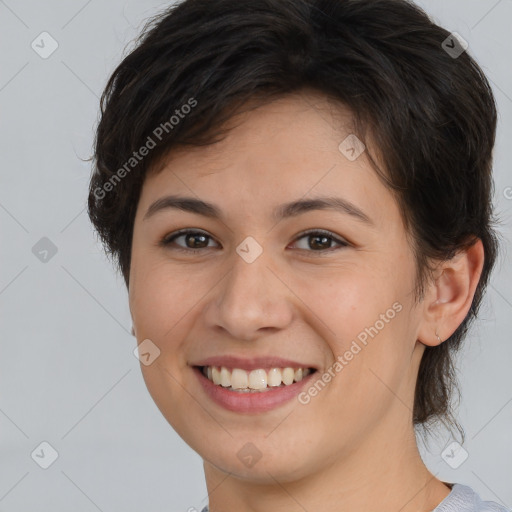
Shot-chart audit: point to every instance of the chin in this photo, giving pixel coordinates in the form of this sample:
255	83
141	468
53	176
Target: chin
281	466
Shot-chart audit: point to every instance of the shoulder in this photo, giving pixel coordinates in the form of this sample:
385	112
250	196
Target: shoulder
464	499
461	499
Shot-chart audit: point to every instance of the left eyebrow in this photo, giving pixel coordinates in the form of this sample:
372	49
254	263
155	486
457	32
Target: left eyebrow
322	203
287	210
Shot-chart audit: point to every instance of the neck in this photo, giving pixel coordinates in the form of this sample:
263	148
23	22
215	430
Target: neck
385	473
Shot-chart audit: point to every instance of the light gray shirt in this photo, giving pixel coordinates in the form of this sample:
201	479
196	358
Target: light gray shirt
461	499
464	499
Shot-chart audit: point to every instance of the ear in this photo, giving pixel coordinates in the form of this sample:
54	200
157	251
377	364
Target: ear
448	299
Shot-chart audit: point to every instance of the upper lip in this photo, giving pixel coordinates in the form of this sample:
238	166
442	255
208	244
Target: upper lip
253	363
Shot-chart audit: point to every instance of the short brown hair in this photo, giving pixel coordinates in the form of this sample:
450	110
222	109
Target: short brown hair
432	115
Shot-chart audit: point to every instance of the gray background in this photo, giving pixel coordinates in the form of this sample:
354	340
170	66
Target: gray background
67	372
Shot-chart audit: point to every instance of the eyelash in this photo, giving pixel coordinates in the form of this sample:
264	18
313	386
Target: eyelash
167	240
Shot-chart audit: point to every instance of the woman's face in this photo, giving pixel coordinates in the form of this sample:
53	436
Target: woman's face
258	288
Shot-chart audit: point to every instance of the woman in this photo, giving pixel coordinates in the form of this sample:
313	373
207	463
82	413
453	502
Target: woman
298	195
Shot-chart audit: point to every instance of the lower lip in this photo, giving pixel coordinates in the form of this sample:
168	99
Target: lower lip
262	401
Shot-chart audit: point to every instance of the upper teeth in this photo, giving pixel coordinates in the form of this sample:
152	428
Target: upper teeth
237	378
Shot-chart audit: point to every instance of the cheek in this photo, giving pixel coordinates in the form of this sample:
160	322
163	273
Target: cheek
346	299
161	302
160	294
361	312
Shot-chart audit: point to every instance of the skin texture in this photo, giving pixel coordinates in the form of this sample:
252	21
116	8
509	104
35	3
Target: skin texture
352	447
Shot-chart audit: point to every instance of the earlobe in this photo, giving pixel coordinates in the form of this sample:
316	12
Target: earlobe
451	294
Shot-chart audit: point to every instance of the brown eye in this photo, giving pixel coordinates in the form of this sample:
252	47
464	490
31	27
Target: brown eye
318	241
193	240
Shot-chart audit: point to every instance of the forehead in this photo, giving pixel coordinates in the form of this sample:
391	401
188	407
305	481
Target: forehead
278	152
304	119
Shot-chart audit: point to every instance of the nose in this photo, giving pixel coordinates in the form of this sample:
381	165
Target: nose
250	301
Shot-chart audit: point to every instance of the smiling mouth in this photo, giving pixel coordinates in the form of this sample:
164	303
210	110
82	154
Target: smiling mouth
254	381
